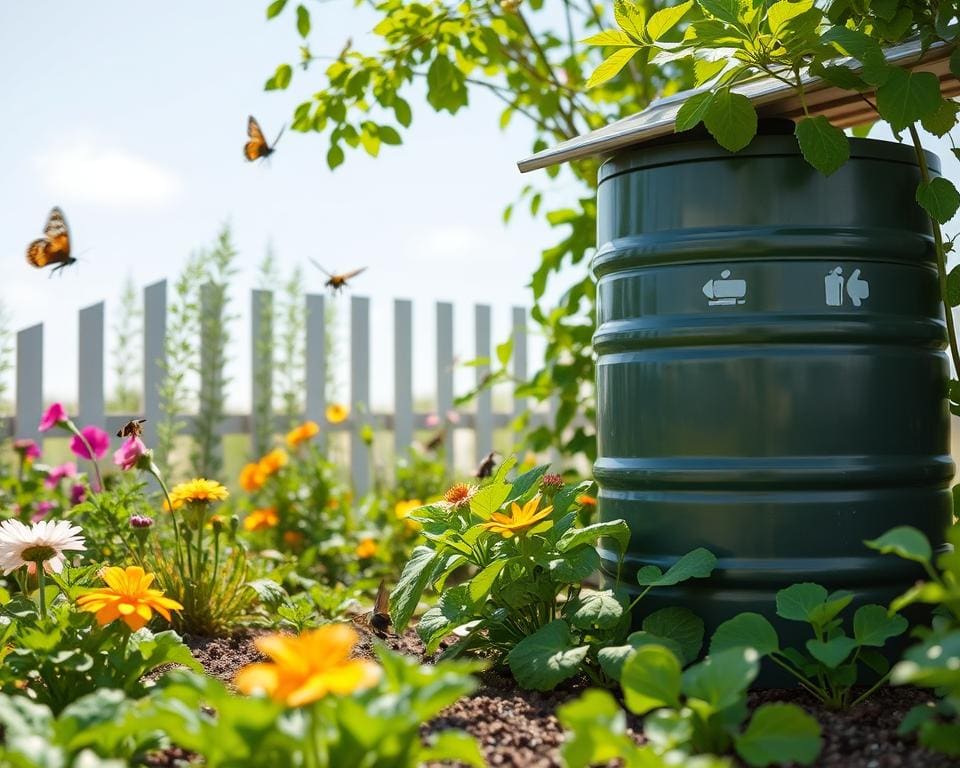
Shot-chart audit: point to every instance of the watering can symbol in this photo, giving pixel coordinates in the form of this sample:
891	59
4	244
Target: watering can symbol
724	292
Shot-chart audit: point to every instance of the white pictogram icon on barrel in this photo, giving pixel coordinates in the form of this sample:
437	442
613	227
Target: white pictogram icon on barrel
724	292
833	284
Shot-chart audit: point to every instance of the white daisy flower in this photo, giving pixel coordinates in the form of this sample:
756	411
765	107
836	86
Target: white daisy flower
46	541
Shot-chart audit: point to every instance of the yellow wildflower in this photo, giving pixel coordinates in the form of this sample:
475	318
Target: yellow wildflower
261	519
301	434
403	510
198	490
519	521
127	596
366	548
273	461
252	478
337	413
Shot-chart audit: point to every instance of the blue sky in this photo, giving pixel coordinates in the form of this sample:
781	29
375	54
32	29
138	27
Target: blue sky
132	116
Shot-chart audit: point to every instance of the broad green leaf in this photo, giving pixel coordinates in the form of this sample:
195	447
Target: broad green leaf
452	746
939	198
731	120
781	12
903	541
617	530
933	663
613	37
908	97
864	49
778	734
824	613
269	592
303	21
722	679
943	120
413	579
666	19
680	625
885	9
833	652
596	726
798	601
489	499
613	657
873	625
547	657
575	566
591	610
275	8
668	729
281	78
611	66
482	583
824	146
746	630
335	156
705	71
692	111
651	678
631	17
453	609
697	564
726	10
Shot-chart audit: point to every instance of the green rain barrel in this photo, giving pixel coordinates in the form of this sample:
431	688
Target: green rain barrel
771	374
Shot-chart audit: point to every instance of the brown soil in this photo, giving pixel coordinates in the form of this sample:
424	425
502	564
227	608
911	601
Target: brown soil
518	729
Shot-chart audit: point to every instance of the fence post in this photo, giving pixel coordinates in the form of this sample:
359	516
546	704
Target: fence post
211	380
402	376
154	355
29	380
519	358
445	377
316	370
90	397
261	370
483	428
359	393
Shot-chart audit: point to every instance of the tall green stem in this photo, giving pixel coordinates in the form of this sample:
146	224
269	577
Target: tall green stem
940	253
42	586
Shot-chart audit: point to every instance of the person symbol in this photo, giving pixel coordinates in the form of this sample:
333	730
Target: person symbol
833	287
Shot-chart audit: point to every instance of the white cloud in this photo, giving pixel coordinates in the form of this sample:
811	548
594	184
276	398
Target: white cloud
82	171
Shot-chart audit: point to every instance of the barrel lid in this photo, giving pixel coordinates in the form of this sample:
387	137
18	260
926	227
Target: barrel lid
771	97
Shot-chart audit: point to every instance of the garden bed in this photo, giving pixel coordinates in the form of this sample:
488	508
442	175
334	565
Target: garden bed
519	729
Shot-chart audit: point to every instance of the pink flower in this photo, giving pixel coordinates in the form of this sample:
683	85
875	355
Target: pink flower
453	417
77	494
128	454
98	439
431	421
54	417
43	509
27	449
55	475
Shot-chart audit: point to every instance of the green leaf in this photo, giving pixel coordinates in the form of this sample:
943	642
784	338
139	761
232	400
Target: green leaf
873	625
275	8
611	66
943	120
413	580
778	734
939	198
631	17
489	499
335	156
746	630
452	746
453	609
725	10
666	19
783	11
612	37
281	78
600	610
680	625
832	652
824	146
617	530
830	608
697	564
693	110
547	657
651	678
269	592
704	71
575	566
903	541
482	583
864	49
401	110
303	21
731	120
613	657
798	601
723	678
908	97
596	726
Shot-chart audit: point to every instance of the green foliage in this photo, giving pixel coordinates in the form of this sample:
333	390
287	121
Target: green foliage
830	665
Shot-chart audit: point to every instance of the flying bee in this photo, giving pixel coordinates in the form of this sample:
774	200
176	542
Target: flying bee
380	615
257	147
435	442
486	466
54	246
337	282
133	428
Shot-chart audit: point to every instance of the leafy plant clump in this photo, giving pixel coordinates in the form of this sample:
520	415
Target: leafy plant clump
521	558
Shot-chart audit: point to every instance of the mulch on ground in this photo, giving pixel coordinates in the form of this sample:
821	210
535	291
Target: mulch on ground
518	729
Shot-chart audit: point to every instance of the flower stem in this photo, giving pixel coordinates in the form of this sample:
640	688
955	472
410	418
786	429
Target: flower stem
42	587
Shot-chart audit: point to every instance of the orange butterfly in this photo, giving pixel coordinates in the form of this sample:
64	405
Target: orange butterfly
338	282
54	246
257	147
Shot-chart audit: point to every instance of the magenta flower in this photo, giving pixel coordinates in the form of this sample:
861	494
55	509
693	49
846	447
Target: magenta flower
77	494
54	417
98	439
27	449
431	421
55	475
140	521
43	509
128	454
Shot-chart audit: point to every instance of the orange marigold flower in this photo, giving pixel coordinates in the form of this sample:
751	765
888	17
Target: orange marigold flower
586	501
127	596
306	668
301	434
261	519
198	490
252	478
337	413
273	461
366	548
293	538
460	494
519	521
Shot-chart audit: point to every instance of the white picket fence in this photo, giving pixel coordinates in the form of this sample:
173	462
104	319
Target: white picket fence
402	421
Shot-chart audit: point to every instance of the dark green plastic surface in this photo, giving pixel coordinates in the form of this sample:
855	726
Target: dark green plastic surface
783	425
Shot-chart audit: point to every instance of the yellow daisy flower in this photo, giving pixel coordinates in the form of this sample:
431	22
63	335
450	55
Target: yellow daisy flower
127	596
519	521
198	490
337	413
